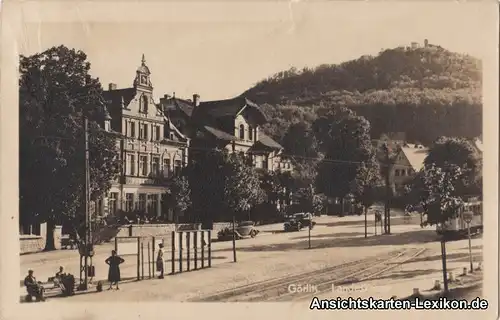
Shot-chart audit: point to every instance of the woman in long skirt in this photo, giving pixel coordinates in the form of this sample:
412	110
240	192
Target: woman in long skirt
159	261
114	262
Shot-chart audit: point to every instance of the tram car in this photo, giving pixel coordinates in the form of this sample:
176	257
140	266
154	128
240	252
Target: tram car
457	226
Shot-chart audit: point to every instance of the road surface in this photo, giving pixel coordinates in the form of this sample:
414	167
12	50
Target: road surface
338	251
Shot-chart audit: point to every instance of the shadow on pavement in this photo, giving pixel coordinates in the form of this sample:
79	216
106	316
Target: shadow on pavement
331	235
410	237
405	274
453	257
395	221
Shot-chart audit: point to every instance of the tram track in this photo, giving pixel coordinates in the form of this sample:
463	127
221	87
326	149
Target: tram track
278	289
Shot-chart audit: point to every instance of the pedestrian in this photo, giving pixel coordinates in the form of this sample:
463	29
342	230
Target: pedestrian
159	261
114	262
33	287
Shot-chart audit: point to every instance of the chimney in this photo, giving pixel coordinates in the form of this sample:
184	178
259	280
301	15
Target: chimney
426	43
196	99
112	86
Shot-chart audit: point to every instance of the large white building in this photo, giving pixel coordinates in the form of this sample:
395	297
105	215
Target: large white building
151	148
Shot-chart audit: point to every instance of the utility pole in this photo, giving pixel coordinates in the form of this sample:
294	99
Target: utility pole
87	198
387	214
234	238
85	249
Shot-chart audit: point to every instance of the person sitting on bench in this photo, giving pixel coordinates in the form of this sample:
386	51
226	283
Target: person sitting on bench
33	287
58	279
65	281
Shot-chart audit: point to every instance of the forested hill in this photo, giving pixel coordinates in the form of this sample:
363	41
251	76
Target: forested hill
424	91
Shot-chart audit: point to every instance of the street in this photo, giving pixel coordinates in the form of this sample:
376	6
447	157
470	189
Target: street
273	261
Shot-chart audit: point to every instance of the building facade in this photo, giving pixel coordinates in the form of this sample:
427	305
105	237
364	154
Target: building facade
232	124
407	162
151	148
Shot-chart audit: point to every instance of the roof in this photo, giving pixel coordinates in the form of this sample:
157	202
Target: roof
228	107
416	156
143	68
185	106
268	141
265	142
219	134
115	97
478	144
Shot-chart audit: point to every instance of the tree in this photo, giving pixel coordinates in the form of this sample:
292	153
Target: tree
459	152
55	93
179	194
367	186
222	184
437	195
347	145
300	141
242	186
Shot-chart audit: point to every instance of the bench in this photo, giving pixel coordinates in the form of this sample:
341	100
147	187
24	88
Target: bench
51	286
68	243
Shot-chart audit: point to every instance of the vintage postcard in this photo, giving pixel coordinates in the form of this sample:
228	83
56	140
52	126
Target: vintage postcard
201	158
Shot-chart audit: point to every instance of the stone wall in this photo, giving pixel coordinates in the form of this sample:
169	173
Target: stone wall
30	243
146	230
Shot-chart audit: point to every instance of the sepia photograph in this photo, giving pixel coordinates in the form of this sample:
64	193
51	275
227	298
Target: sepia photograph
326	154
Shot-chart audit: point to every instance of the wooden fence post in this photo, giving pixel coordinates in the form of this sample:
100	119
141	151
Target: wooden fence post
209	248
195	246
142	260
188	245
202	249
149	261
180	251
138	259
173	252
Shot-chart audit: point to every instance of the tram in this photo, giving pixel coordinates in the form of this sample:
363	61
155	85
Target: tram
457	226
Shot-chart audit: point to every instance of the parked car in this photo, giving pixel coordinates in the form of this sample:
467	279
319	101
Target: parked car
298	221
244	229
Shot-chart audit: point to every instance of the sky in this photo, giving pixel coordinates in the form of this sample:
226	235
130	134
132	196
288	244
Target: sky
219	50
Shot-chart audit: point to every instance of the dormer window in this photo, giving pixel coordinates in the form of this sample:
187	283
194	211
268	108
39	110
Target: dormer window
144	104
242	131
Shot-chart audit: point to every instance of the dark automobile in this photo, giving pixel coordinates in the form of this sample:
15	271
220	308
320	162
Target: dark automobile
298	221
244	229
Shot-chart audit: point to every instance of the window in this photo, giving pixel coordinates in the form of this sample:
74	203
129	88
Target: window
141	204
177	166
131	164
129	202
242	131
152	204
155	166
132	129
403	172
166	167
143	165
396	172
164	200
250	133
264	162
143	131
157	130
144	106
113	197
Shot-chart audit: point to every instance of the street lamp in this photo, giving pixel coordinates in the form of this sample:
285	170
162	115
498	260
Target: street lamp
467	216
